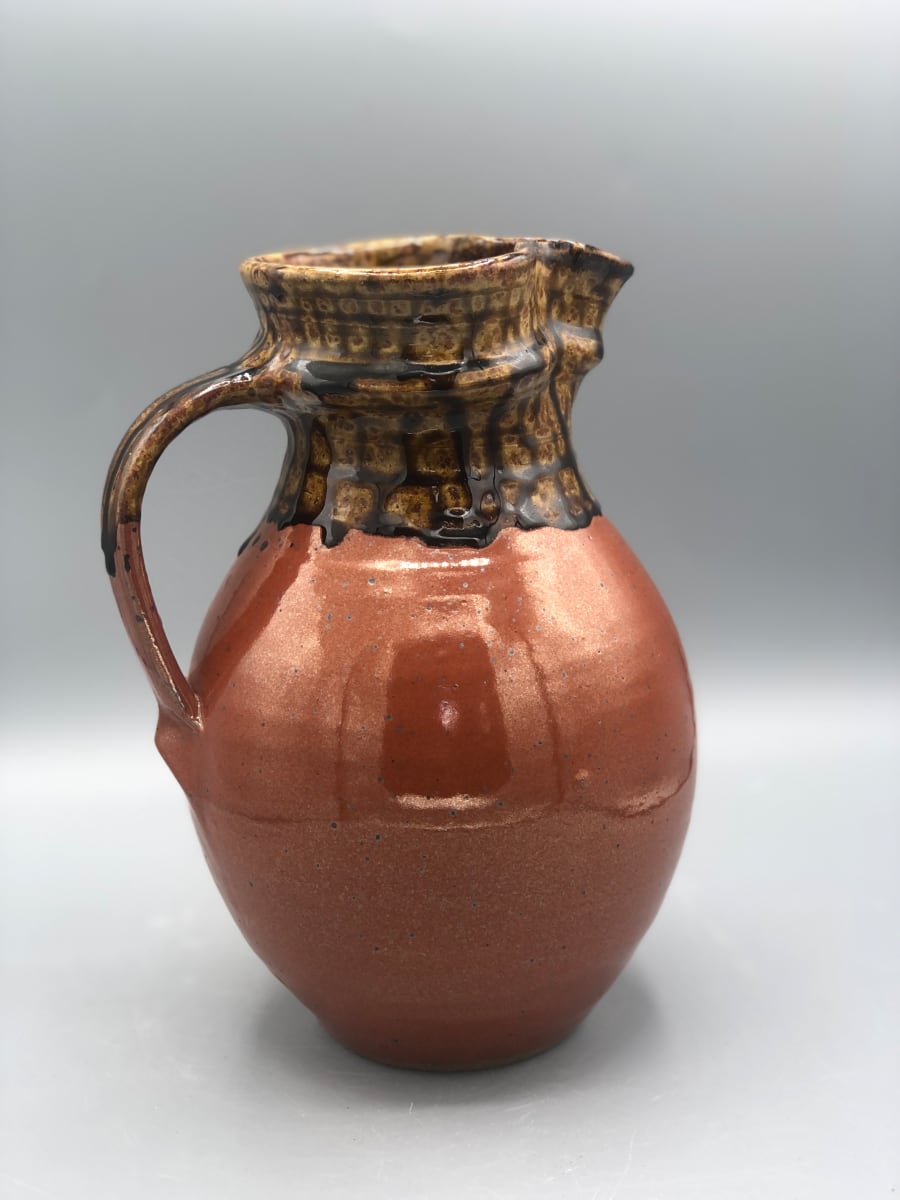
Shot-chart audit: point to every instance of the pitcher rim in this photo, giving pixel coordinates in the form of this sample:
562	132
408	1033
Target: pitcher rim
499	252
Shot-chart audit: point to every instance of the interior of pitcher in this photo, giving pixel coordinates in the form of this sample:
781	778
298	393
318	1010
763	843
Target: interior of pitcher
393	253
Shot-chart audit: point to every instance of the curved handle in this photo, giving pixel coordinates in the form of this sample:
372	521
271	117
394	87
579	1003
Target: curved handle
129	473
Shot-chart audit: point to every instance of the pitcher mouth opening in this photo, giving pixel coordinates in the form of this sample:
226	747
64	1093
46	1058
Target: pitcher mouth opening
401	256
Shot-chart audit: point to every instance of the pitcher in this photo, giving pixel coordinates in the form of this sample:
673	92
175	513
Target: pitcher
437	734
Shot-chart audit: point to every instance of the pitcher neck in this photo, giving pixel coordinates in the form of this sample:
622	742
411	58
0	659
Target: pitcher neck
427	384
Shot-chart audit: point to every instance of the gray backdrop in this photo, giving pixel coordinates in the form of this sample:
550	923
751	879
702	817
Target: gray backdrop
742	433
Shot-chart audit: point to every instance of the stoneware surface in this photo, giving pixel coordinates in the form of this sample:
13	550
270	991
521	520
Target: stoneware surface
438	733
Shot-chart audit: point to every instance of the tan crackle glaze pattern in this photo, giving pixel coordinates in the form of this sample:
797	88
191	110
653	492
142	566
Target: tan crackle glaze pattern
438	734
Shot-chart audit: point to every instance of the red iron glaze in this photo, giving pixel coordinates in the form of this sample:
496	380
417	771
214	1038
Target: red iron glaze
442	791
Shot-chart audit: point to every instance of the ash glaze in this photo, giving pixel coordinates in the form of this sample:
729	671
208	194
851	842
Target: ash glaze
438	733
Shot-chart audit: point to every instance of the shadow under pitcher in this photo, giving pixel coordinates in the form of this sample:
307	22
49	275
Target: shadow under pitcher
438	732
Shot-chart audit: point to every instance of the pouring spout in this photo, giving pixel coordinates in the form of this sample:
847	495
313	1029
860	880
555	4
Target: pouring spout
581	283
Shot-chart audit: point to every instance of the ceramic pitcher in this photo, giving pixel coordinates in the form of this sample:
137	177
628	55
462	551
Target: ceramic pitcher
437	735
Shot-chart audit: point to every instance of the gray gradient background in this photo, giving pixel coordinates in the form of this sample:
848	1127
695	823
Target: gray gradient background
743	434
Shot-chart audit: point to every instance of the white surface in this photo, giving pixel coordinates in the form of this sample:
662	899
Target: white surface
749	1050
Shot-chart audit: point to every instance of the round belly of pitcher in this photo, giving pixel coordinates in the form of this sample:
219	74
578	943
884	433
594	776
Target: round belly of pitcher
449	841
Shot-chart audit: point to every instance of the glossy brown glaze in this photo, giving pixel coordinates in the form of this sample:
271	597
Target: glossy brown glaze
438	735
442	792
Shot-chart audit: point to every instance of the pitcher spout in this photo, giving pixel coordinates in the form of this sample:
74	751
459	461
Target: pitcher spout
582	283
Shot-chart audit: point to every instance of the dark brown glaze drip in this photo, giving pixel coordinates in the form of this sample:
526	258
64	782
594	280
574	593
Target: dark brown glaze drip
451	470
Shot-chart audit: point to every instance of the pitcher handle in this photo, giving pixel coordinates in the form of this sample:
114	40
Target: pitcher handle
129	473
